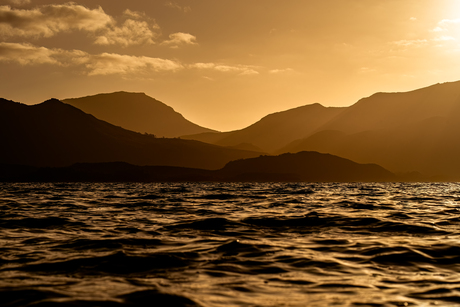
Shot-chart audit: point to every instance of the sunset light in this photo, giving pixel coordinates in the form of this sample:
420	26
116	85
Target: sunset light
194	55
227	153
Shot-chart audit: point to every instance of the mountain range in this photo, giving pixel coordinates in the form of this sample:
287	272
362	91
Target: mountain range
276	130
303	166
402	132
57	134
417	130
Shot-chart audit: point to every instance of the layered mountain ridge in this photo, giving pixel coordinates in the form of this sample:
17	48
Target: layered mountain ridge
403	132
57	134
409	131
303	166
275	130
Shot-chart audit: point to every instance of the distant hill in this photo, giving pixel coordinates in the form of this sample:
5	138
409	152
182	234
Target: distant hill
303	166
137	112
56	134
392	110
417	130
276	130
306	166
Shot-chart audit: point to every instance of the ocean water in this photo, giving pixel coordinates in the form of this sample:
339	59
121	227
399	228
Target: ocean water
230	244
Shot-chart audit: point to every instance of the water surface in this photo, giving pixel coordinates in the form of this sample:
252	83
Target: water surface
229	244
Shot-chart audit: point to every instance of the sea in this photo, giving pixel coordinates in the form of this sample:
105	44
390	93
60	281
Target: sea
229	244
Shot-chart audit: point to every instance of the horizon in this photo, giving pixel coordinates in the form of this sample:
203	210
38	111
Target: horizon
231	74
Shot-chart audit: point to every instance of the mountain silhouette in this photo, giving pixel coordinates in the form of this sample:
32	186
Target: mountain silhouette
57	134
415	130
275	130
403	132
303	166
307	166
137	112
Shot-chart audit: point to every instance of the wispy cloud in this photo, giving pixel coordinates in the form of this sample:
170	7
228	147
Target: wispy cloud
176	6
110	63
446	34
411	42
446	25
133	28
240	69
101	64
15	2
27	54
48	20
137	29
281	71
180	38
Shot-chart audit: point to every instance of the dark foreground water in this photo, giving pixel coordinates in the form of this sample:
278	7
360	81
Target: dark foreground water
227	244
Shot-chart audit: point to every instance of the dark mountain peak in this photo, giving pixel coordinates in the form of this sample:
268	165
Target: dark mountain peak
276	130
52	101
5	102
126	95
138	112
304	108
57	107
427	92
10	105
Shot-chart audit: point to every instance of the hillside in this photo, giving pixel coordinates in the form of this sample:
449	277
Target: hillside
416	130
304	166
275	130
56	134
137	112
307	166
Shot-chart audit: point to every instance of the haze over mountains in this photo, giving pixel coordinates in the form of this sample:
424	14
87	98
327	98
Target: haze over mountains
403	132
417	130
137	112
275	130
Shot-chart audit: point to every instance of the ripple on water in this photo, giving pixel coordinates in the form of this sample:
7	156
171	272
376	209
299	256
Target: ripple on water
229	244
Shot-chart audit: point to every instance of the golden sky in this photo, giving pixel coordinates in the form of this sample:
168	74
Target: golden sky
224	64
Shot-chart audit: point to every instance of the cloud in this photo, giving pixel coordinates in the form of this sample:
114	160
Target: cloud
176	6
411	43
48	20
240	69
107	63
177	39
132	32
281	71
15	2
445	35
102	64
27	54
136	29
446	25
110	63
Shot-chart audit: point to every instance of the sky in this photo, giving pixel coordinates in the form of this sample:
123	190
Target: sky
224	64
